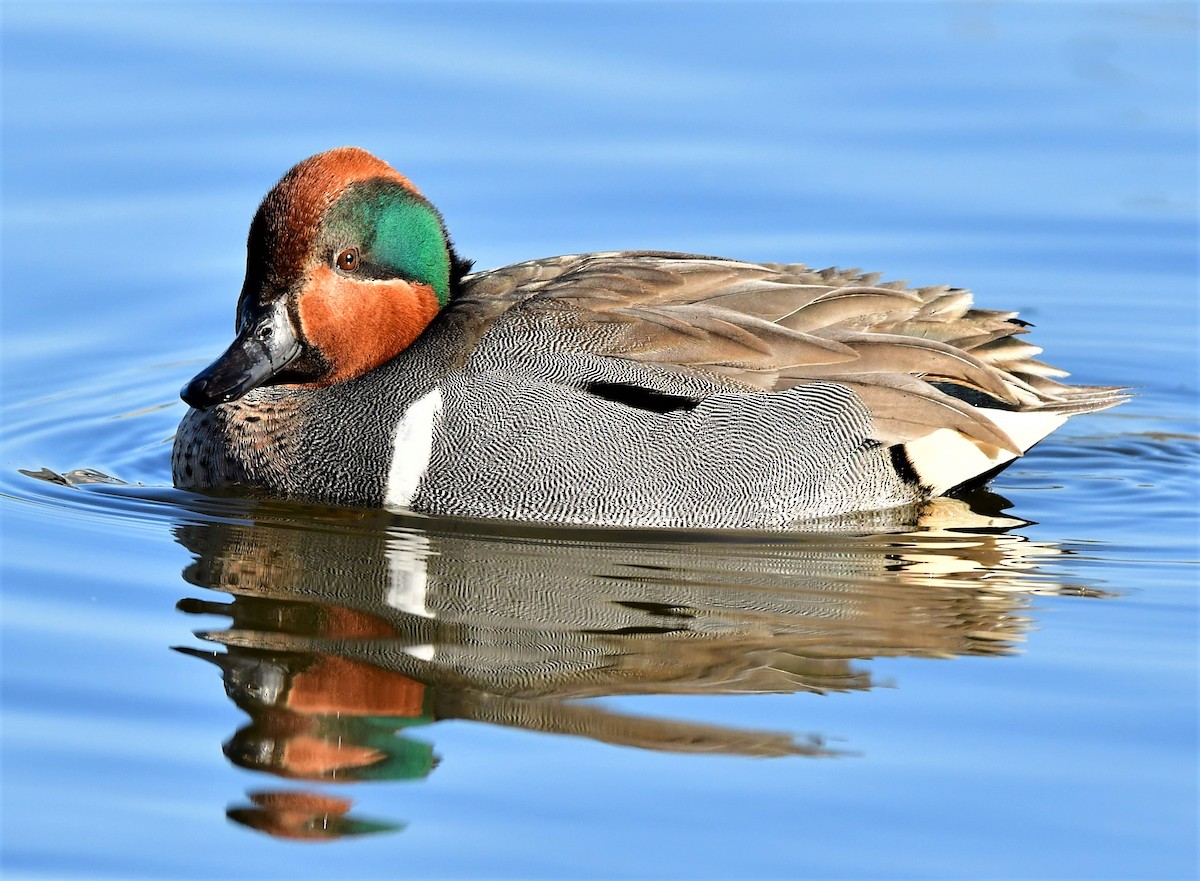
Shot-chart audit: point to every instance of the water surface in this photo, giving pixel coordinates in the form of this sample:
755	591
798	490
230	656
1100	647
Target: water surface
1004	686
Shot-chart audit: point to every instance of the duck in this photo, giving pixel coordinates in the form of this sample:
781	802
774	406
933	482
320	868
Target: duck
372	368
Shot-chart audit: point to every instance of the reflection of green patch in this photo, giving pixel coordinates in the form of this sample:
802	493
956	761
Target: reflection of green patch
406	759
368	827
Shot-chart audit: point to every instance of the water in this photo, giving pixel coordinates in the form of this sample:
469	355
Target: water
191	685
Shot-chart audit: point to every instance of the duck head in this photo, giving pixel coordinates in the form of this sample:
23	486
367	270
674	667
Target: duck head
346	264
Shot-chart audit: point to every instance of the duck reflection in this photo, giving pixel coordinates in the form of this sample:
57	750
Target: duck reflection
303	816
351	631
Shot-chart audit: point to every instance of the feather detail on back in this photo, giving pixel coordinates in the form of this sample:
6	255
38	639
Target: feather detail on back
940	378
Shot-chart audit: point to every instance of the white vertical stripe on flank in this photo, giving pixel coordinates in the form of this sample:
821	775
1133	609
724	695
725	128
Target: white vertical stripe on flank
412	447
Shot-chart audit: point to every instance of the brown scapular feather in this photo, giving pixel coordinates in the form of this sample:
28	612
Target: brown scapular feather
770	327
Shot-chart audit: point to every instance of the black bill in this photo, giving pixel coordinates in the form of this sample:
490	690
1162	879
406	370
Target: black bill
262	349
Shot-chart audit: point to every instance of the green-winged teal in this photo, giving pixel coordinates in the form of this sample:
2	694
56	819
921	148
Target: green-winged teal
636	388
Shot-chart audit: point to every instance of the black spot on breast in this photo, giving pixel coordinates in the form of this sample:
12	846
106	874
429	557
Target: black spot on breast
640	398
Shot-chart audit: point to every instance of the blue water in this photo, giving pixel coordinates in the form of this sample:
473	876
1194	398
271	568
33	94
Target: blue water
1008	690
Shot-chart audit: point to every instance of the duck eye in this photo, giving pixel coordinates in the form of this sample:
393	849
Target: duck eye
347	261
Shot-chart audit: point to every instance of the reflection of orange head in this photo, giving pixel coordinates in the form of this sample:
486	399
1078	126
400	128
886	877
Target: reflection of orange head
315	758
302	816
335	744
345	623
337	686
300	800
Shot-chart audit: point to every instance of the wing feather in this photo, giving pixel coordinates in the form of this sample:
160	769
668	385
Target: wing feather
769	327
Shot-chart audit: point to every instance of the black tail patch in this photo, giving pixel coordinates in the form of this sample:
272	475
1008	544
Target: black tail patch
903	465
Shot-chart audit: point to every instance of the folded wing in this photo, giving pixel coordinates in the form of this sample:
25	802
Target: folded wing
956	386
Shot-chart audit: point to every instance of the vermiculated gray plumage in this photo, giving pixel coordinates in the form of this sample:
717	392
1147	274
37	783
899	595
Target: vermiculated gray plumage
650	389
